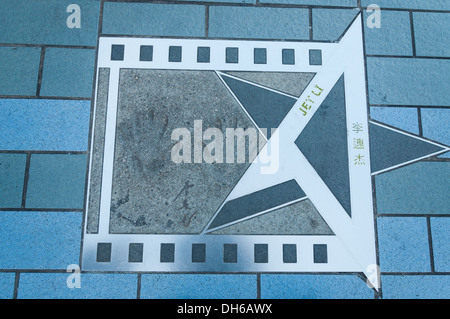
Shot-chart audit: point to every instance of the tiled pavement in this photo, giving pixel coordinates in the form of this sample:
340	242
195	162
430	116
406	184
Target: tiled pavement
46	97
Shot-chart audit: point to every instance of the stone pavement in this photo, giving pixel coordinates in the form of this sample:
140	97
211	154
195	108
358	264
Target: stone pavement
48	72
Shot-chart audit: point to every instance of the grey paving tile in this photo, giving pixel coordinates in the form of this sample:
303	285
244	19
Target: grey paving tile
330	24
19	70
403	244
436	123
56	181
46	22
12	173
430	32
260	23
68	72
410	4
153	19
337	3
400	81
392	38
419	188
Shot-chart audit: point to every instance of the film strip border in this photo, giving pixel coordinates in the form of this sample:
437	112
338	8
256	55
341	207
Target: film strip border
215	253
152	53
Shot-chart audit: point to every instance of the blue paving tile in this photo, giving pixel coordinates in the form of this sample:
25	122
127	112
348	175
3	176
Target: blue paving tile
7	285
400	81
330	24
153	19
410	4
436	124
92	286
440	234
185	286
314	287
38	22
403	244
392	38
431	32
401	117
56	181
415	287
39	240
19	70
261	23
222	1
328	3
420	188
12	173
68	72
44	125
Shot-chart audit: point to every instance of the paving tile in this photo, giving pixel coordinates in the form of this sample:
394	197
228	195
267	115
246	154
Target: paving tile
435	124
46	23
39	240
430	32
403	244
440	235
405	118
222	1
92	286
392	38
56	181
19	70
187	286
400	81
259	23
153	19
278	286
330	24
7	285
410	4
328	3
12	173
44	125
420	188
68	72
415	287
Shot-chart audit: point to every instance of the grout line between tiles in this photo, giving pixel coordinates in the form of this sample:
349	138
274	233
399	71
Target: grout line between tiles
430	243
41	68
25	180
